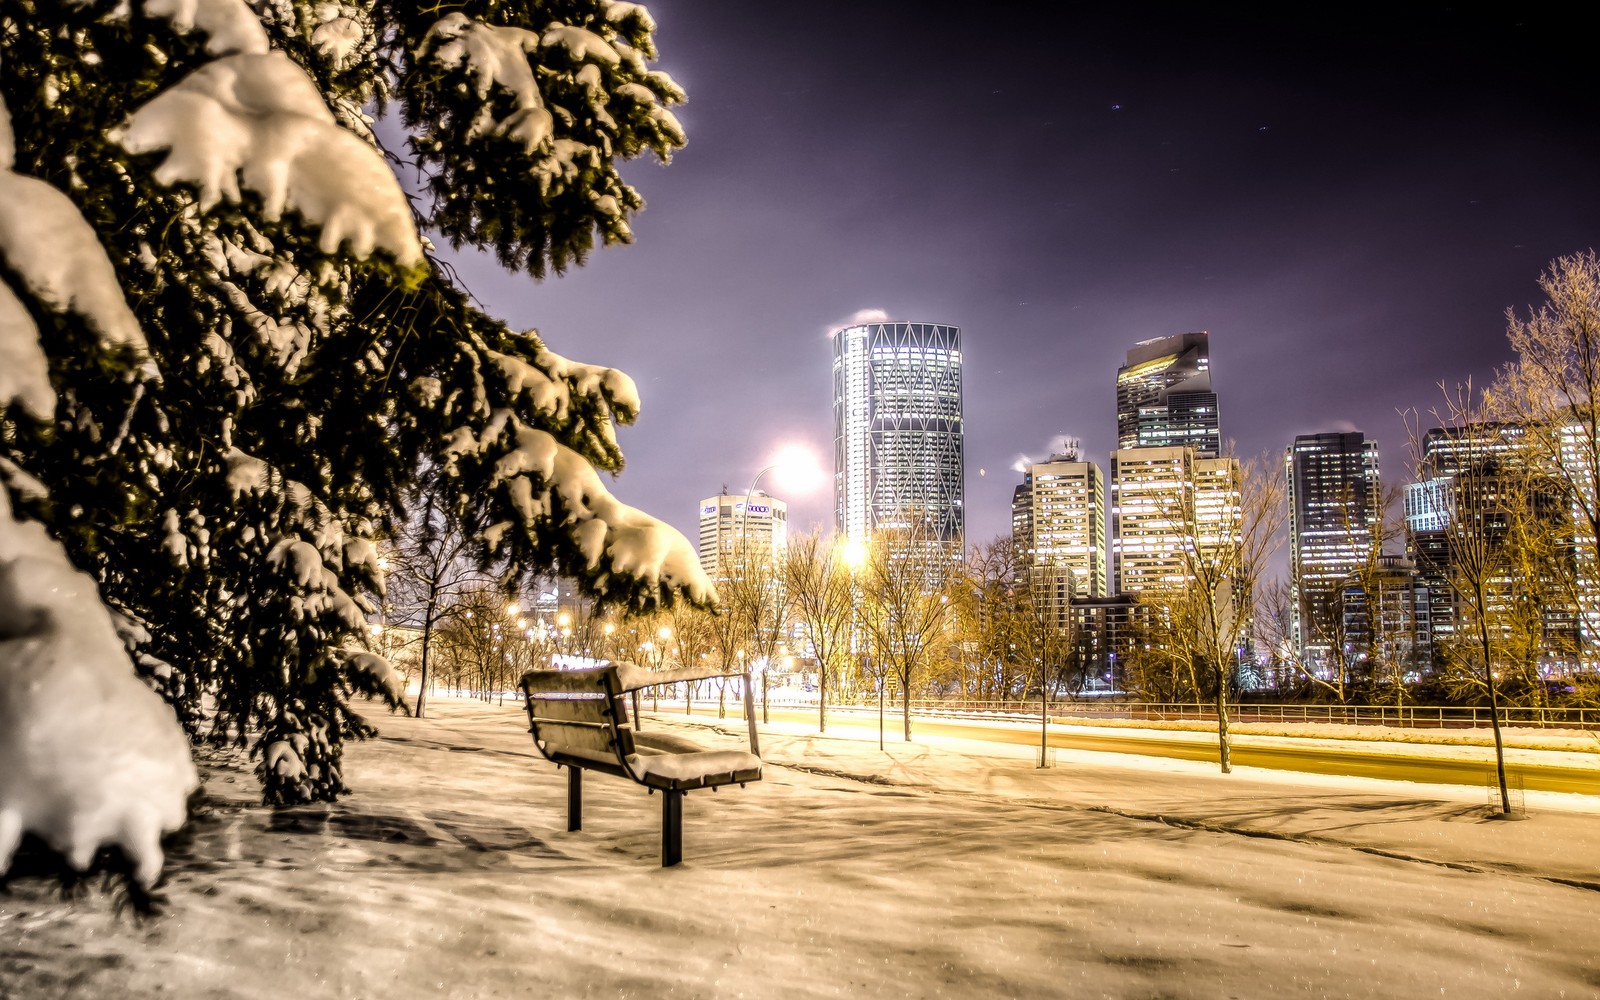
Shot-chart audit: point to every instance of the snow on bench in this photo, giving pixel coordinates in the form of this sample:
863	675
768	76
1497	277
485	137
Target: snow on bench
579	720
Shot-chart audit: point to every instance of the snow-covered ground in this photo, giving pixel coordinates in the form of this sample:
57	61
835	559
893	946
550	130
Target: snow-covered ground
939	868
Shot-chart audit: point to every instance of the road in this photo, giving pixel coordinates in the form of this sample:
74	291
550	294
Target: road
1185	745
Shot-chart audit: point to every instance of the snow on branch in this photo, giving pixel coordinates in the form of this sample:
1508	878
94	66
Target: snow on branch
550	383
89	756
549	485
497	58
494	56
24	373
229	25
59	261
259	120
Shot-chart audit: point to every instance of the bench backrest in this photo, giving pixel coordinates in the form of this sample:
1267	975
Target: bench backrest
579	717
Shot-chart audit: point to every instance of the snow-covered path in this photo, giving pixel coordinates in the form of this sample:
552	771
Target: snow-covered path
949	873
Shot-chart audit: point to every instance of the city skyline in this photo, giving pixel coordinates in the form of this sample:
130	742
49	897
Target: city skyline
1347	206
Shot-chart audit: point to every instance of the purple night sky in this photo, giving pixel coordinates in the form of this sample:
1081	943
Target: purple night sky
1347	206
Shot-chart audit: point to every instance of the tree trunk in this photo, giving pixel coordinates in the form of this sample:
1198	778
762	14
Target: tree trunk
905	701
882	681
1224	756
822	695
1044	725
1494	712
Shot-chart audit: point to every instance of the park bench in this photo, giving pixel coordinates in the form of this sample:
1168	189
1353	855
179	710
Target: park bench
579	720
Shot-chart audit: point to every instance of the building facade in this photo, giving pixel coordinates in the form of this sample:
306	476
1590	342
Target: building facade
1388	622
760	522
1335	520
1164	396
1488	507
1062	510
898	433
1164	500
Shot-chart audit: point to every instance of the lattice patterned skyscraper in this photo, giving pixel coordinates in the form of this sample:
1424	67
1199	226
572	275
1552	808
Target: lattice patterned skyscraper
897	431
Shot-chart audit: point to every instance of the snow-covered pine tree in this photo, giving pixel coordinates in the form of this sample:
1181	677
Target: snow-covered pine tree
228	437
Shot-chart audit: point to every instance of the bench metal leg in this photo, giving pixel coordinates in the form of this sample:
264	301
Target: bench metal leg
574	798
671	828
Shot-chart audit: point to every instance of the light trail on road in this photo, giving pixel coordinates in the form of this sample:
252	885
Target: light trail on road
1183	745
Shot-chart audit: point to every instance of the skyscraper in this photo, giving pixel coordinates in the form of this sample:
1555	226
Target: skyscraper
1334	516
1164	396
1061	508
1165	501
897	431
760	521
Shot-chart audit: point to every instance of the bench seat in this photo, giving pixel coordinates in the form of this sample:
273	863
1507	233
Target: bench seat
688	771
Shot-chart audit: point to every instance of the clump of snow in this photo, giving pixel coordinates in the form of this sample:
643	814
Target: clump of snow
299	561
229	25
580	44
494	56
618	11
89	756
24	374
285	761
614	387
551	381
340	35
536	468
259	121
56	255
376	674
246	473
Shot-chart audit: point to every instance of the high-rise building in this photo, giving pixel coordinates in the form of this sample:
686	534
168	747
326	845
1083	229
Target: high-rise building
1398	630
1164	396
1480	484
1164	502
1061	506
1334	517
897	431
731	523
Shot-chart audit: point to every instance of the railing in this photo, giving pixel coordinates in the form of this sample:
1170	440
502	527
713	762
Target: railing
1399	716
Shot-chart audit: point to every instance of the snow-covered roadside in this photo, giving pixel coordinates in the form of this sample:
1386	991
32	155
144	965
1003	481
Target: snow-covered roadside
449	874
1437	823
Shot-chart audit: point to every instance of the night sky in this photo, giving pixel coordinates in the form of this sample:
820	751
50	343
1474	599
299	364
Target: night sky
1347	205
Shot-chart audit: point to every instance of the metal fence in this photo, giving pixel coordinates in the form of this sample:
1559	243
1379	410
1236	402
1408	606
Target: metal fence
1399	716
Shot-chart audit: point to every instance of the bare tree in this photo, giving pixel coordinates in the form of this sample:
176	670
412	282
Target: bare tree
692	639
1050	645
428	569
1552	389
1233	512
1274	631
757	601
906	605
1474	524
821	583
987	616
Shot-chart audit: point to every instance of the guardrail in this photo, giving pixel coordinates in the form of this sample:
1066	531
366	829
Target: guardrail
1399	716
